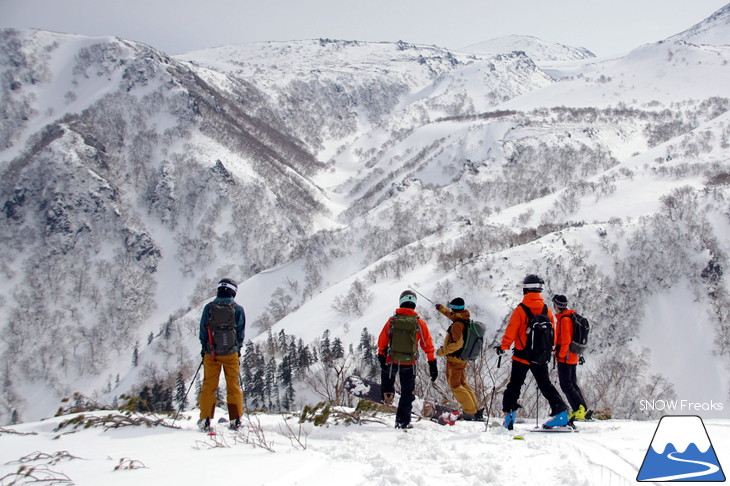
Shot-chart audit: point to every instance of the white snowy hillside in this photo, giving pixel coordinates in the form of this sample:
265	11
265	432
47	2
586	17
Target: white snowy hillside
327	176
536	49
276	450
715	30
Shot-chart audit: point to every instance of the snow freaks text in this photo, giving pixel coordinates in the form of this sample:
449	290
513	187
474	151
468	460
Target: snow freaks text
680	406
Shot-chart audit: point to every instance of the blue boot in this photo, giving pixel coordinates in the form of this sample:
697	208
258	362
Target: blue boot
509	420
558	420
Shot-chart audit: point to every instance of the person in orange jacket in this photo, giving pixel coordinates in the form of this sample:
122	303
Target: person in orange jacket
398	352
516	333
456	367
567	360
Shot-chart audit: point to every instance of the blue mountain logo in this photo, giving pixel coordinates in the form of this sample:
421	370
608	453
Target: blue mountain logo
681	451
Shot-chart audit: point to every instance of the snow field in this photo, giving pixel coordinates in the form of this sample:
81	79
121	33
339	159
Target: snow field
605	452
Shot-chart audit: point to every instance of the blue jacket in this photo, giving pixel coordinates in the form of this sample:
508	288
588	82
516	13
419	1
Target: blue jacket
240	323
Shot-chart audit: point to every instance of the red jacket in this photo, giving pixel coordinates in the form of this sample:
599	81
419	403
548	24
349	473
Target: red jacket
516	331
563	337
424	335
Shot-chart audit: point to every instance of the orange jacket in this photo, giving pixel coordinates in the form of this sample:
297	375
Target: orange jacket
516	331
563	337
424	336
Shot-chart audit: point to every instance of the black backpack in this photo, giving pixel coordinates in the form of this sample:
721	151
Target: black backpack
222	329
540	337
581	328
473	341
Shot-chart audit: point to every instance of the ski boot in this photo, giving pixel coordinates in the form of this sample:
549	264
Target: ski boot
479	416
388	398
558	420
234	424
579	414
204	425
509	420
400	425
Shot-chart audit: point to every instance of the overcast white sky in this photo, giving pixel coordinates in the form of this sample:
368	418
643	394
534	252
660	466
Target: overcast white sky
606	27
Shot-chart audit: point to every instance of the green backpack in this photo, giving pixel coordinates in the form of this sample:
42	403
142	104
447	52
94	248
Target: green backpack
404	339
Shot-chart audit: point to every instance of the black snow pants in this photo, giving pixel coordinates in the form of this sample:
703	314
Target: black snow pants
569	384
407	374
542	377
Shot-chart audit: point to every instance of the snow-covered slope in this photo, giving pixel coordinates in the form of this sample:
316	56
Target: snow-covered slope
327	176
714	30
603	453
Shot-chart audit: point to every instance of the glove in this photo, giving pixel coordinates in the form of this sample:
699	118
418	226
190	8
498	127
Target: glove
499	350
433	370
381	360
581	360
202	353
438	306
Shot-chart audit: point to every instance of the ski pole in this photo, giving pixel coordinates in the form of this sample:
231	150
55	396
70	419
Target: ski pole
537	404
419	293
187	392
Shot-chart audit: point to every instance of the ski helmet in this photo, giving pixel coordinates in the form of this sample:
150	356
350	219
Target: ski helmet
407	297
457	304
532	283
229	285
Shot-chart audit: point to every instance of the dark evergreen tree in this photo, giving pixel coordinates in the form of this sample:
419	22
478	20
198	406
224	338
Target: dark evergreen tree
254	369
285	377
145	400
181	400
135	355
272	386
270	343
367	350
337	350
160	398
304	358
325	347
281	348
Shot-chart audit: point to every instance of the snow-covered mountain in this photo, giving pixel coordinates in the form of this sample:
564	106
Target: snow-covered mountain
536	49
714	30
326	176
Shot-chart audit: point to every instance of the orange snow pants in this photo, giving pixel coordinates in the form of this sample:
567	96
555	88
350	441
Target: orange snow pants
456	377
211	377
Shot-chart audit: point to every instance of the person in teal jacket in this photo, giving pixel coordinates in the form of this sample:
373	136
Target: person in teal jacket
222	330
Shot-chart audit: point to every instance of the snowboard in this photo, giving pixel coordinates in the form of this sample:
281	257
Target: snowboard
370	390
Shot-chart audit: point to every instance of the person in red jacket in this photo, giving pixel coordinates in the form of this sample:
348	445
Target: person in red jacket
398	352
567	360
516	333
